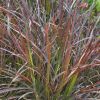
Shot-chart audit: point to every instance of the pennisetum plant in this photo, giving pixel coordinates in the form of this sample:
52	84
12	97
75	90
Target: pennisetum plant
47	47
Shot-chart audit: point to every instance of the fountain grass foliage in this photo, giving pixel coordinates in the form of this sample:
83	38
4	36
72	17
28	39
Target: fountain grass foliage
49	50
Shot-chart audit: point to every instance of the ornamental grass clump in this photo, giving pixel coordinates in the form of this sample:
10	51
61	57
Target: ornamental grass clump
47	48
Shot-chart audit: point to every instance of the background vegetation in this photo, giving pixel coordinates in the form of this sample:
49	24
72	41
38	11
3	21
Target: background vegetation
49	49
